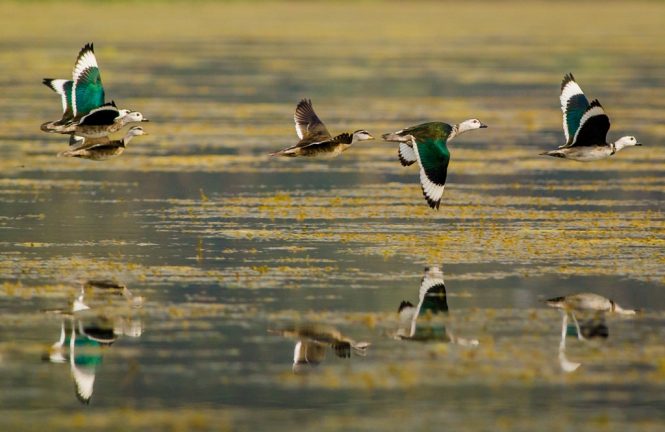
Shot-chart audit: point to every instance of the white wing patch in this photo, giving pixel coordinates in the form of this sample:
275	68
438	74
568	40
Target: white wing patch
299	127
571	89
432	191
86	61
427	284
58	85
406	153
594	111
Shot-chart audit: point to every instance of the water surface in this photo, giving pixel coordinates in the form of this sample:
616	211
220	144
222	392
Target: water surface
233	254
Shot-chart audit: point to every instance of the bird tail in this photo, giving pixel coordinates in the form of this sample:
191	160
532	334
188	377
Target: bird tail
394	136
49	126
556	302
554	153
70	153
289	152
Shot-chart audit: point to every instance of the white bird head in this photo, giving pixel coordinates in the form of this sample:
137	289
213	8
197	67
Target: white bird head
133	117
362	135
136	131
470	124
626	141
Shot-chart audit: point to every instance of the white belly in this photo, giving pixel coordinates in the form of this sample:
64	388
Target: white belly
587	154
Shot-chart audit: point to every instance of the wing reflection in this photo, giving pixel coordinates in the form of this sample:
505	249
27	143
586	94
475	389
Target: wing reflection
314	340
426	321
85	332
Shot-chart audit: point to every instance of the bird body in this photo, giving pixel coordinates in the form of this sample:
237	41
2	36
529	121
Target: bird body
587	302
102	148
100	122
314	136
585	126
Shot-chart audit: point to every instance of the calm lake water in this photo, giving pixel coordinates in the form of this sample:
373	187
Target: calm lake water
206	267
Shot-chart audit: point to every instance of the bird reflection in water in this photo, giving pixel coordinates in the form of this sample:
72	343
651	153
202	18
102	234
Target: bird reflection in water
314	340
427	320
84	332
588	312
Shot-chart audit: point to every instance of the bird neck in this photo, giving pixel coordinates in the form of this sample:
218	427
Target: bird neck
126	139
615	146
456	131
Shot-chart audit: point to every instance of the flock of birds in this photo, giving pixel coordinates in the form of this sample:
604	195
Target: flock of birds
87	118
89	121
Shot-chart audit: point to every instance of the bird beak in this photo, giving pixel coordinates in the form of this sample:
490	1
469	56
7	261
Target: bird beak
146	133
145	120
483	126
370	137
638	144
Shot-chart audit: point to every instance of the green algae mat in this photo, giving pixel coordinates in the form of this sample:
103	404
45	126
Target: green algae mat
194	283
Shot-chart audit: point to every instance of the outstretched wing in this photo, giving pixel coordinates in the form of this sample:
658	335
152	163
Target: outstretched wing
573	104
309	126
594	126
64	89
87	91
433	157
102	116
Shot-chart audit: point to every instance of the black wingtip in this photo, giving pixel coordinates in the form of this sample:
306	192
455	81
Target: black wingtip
305	103
554	300
87	47
433	204
405	304
566	79
403	161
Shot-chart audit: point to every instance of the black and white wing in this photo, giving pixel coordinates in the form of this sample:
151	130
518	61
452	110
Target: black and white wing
594	126
573	104
63	88
433	158
105	115
407	156
432	294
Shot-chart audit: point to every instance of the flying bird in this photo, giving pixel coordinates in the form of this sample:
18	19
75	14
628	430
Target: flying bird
314	136
427	144
585	126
